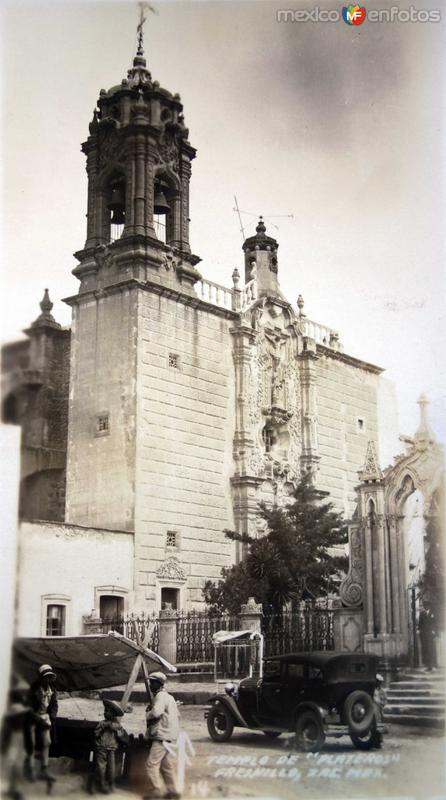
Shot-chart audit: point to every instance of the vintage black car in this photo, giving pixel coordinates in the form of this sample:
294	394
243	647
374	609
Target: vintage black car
313	695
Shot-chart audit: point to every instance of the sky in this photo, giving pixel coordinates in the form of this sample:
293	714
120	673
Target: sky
332	132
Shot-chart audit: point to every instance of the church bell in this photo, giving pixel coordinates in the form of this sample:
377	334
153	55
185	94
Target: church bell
117	207
160	204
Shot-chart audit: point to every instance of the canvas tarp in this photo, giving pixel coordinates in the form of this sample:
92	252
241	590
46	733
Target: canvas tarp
84	662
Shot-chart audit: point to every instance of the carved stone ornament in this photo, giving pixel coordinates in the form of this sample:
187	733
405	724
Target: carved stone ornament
251	607
371	469
171	570
169	261
110	148
169	152
103	256
272	397
351	589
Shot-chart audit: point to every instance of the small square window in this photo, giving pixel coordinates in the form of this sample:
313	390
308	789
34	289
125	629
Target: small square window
174	361
171	539
360	424
102	424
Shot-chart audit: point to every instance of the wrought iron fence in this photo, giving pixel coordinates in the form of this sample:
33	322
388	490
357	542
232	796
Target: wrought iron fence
304	629
130	626
194	634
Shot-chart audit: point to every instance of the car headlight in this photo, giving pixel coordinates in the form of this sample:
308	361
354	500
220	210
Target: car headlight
230	688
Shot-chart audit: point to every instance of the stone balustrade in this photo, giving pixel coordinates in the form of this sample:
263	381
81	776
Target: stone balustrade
321	334
214	293
249	293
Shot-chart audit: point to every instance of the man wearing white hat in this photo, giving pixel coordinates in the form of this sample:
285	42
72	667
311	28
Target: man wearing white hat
162	731
43	702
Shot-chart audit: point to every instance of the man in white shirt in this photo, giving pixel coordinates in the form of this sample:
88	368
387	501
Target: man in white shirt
162	731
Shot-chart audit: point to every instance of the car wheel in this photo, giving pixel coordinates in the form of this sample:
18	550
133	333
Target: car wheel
310	736
369	740
272	734
359	712
220	723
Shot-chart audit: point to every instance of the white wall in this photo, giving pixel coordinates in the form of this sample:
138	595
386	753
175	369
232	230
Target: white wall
388	426
9	487
69	561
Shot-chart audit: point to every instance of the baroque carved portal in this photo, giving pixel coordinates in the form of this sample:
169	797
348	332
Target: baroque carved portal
272	397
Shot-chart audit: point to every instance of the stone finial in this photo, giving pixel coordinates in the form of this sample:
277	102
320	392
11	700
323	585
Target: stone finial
236	278
261	228
94	122
334	340
46	318
300	305
251	606
424	432
371	470
45	304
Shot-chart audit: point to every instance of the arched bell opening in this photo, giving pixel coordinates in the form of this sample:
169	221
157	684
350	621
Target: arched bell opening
163	208
167	207
115	206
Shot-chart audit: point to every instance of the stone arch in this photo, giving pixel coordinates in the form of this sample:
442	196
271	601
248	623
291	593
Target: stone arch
112	177
168	226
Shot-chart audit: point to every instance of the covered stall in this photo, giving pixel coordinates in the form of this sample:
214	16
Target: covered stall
237	655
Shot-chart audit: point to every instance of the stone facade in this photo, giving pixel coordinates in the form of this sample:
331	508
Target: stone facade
386	549
35	395
188	402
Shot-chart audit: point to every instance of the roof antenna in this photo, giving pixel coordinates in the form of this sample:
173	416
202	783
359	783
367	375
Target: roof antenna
242	230
268	217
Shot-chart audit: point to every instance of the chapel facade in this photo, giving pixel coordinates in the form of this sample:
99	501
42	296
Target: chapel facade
173	405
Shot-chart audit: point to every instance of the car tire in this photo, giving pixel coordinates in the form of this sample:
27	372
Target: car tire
272	734
220	723
359	712
368	741
310	736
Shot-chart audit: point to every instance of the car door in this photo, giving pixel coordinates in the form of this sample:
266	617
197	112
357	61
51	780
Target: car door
269	694
295	689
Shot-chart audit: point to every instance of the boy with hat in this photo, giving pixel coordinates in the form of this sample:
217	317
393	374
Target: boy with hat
162	730
379	697
109	735
40	727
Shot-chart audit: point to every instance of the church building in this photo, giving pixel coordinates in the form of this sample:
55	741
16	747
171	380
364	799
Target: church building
173	405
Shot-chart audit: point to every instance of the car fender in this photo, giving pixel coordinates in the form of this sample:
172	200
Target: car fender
232	707
310	705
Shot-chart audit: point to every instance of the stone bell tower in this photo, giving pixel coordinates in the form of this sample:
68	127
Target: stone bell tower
139	168
151	380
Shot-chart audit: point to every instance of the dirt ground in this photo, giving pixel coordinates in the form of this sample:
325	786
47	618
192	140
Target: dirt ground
410	765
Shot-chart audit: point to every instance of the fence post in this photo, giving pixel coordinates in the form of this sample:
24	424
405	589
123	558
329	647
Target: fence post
251	616
168	633
92	622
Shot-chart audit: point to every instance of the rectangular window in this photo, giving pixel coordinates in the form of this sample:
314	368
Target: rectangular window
102	424
296	671
272	670
174	361
360	424
171	539
55	620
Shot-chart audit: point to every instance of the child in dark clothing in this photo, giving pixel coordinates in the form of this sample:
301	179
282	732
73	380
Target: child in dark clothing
109	735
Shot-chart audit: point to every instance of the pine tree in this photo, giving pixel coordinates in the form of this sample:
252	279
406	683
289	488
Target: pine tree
292	561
